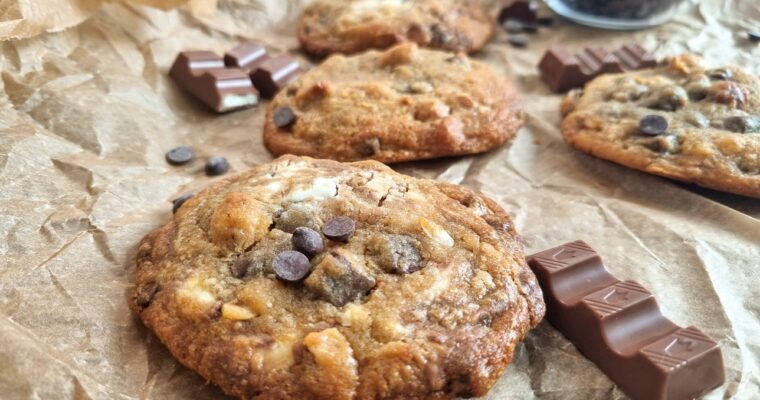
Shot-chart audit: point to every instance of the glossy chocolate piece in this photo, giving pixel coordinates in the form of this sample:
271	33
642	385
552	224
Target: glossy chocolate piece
204	74
275	73
521	10
563	71
247	56
618	325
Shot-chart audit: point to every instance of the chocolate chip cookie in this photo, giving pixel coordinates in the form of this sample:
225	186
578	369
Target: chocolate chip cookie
682	120
348	26
405	103
312	279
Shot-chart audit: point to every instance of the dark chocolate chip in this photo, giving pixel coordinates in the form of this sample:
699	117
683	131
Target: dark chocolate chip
284	117
518	40
440	37
146	293
307	241
521	10
545	21
291	266
720	74
742	124
339	229
530	27
369	147
180	155
240	267
179	201
217	165
653	125
754	36
513	26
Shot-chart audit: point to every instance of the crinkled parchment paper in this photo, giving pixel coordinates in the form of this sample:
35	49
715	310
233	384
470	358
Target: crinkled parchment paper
87	113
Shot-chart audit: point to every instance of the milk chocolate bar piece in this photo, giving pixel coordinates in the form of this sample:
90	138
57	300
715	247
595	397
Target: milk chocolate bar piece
247	56
275	73
563	71
204	74
618	325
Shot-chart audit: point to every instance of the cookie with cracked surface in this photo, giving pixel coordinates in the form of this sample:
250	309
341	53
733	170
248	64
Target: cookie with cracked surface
402	104
424	296
348	26
682	120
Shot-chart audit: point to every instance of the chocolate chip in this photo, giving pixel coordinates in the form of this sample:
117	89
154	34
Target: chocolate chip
284	117
545	21
754	36
179	201
307	241
653	125
668	98
217	165
518	40
720	74
742	124
522	10
512	26
369	147
440	37
530	27
291	266
146	293
339	229
240	267
180	155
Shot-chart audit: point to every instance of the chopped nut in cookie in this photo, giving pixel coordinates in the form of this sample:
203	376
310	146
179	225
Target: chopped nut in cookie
436	232
430	109
339	279
239	222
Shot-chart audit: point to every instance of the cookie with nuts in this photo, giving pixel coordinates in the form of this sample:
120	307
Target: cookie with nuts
402	104
349	26
681	120
313	279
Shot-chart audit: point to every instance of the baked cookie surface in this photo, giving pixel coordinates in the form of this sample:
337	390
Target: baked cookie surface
421	292
347	26
681	120
405	103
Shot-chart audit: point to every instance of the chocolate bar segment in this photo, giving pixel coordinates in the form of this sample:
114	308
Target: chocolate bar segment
563	71
275	73
247	56
204	74
618	325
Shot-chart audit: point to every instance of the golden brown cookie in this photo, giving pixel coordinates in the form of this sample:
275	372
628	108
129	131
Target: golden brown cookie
347	26
682	120
405	103
312	279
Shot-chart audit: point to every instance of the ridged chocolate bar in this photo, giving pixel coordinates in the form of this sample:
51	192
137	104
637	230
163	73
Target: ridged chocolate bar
204	74
563	71
618	325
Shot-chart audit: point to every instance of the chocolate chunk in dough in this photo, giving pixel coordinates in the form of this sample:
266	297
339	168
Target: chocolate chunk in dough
338	280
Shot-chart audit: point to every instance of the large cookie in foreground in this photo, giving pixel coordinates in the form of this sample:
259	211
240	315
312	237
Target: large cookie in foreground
682	120
348	26
415	288
403	104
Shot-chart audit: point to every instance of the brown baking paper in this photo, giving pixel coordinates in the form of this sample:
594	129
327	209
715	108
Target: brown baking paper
86	115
